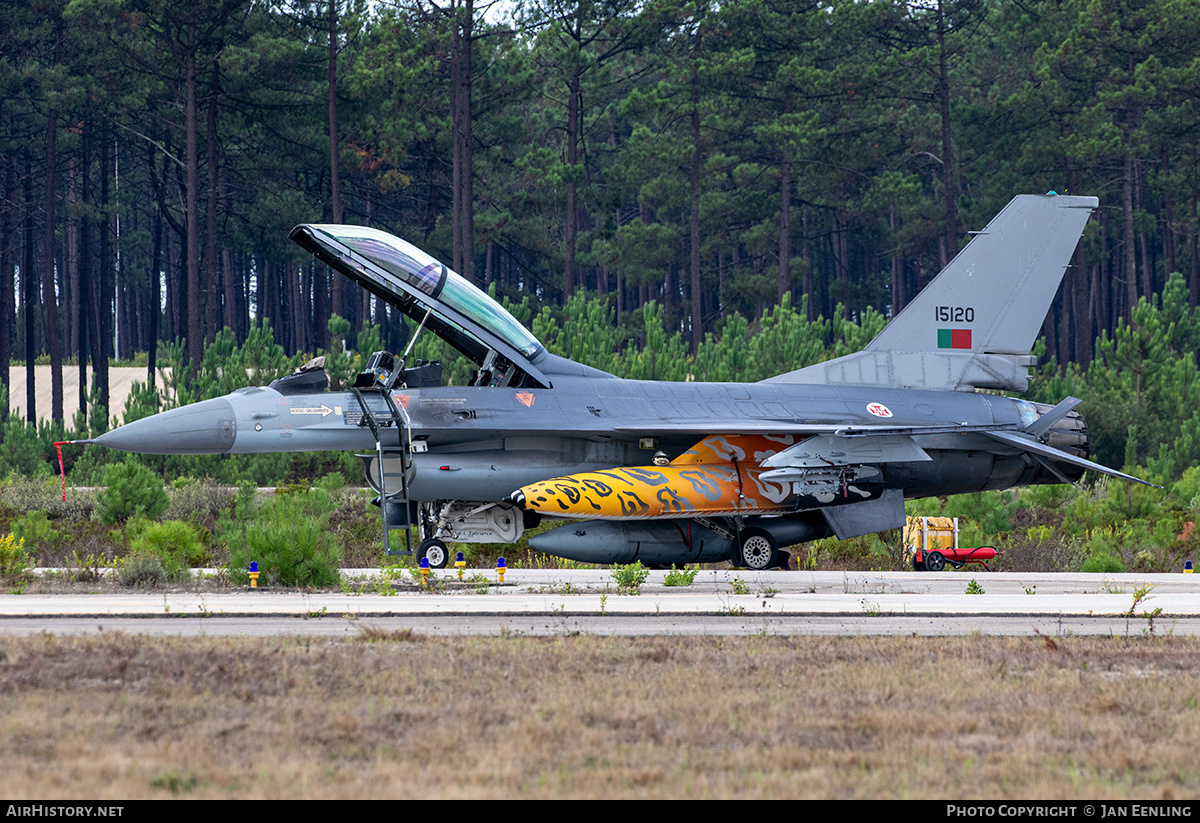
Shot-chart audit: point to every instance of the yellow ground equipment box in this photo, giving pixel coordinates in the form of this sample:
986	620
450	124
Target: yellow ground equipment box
929	533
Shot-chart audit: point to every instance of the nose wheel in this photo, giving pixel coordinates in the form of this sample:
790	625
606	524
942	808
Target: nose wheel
435	552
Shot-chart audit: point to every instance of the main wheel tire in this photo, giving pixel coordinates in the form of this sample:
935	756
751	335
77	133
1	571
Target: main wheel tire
757	550
435	552
935	561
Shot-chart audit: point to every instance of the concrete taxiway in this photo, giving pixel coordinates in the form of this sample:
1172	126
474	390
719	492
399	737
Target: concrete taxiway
728	602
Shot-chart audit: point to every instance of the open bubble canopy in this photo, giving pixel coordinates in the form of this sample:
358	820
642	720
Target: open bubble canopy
425	290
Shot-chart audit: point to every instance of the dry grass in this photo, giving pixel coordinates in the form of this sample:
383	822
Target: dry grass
406	715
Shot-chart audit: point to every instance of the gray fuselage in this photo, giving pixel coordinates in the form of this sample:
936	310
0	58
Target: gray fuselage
480	443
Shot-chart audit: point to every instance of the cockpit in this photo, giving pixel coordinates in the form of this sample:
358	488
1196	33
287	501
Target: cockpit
434	297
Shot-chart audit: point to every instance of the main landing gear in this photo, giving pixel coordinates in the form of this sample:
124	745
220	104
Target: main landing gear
756	550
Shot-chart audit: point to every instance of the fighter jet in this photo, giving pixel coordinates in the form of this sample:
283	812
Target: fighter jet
672	473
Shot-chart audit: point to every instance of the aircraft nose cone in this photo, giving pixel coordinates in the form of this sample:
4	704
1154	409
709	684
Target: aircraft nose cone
208	427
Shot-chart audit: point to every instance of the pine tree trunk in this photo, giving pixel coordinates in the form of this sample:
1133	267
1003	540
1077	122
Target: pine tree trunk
195	297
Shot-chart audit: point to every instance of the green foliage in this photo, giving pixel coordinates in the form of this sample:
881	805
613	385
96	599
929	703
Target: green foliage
130	489
1140	595
629	578
289	538
36	532
141	570
584	332
1103	562
1142	390
781	340
981	514
338	361
681	577
85	567
870	551
97	414
85	466
196	500
1050	497
19	495
247	499
225	366
175	545
331	482
1186	490
143	401
343	364
661	356
22	450
15	558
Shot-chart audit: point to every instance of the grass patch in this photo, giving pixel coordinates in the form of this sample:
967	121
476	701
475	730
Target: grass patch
131	716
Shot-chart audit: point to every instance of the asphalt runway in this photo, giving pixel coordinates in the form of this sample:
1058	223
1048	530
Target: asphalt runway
719	602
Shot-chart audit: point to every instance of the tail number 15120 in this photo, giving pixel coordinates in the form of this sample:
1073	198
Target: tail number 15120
954	314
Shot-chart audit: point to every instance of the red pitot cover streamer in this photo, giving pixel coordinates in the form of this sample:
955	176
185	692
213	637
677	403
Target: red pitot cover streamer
61	469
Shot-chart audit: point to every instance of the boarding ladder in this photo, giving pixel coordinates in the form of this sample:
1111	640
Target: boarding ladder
398	419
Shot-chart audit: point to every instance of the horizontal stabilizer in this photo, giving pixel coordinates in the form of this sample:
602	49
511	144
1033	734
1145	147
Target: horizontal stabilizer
1043	424
1041	450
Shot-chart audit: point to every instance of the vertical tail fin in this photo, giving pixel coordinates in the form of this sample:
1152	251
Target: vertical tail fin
974	324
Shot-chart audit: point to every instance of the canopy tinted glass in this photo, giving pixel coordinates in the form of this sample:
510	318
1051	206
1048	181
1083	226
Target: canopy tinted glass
429	277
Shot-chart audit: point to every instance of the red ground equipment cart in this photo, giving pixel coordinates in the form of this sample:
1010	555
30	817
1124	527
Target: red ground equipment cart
933	542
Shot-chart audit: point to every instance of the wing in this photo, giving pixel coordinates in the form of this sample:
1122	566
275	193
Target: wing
847	444
779	426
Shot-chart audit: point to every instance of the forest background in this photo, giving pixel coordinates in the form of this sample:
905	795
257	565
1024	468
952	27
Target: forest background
663	189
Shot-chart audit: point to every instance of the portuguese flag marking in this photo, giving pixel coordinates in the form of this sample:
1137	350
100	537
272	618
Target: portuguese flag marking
954	338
